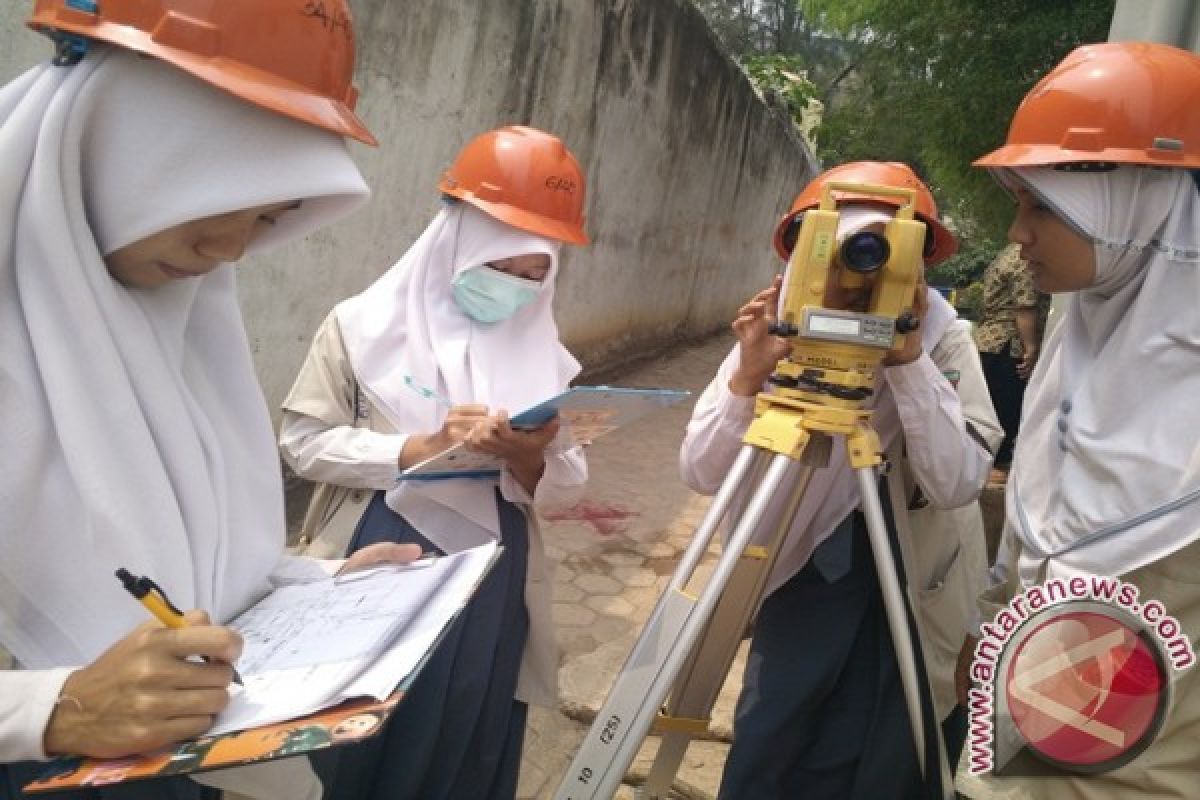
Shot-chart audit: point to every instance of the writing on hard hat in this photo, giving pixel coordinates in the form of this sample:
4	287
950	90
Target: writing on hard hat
524	177
293	57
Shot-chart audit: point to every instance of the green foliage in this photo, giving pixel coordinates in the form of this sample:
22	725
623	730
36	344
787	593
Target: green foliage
964	267
733	22
970	301
784	76
777	27
936	83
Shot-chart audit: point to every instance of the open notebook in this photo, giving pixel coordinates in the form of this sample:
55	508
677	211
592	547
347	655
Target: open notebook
586	412
321	665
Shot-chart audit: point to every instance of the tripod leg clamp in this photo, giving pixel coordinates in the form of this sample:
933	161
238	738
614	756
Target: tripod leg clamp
688	725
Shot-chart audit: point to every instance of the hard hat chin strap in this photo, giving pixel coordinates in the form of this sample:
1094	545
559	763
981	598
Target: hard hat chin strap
70	48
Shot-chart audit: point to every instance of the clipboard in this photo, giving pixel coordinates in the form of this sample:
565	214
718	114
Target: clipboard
587	413
354	720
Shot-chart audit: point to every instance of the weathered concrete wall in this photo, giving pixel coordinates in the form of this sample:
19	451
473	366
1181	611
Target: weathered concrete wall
688	170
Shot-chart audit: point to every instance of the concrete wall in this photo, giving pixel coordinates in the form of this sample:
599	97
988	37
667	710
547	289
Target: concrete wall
1175	22
688	170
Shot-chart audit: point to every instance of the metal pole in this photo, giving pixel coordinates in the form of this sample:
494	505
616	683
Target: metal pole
894	605
624	720
742	466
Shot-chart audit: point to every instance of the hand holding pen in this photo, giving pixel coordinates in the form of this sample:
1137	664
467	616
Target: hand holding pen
152	596
481	430
145	691
459	421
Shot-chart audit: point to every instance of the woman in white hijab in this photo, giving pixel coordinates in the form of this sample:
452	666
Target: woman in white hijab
821	714
134	430
457	335
1101	159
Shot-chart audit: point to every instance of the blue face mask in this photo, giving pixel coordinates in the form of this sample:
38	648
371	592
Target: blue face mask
488	295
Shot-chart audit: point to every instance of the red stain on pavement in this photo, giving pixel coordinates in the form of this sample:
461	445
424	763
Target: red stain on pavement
607	520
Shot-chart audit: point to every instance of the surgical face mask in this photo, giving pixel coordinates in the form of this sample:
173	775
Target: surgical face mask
487	295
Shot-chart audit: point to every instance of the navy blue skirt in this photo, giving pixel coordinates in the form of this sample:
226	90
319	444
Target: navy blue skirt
822	713
457	734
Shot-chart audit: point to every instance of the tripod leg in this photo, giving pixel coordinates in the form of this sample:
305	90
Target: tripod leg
749	460
668	638
743	466
895	605
689	707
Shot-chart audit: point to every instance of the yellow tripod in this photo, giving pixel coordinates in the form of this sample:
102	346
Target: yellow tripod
819	392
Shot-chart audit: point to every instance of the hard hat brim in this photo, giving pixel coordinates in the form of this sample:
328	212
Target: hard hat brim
254	85
1040	155
527	221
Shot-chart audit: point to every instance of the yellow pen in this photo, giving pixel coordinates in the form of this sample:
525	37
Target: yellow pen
151	595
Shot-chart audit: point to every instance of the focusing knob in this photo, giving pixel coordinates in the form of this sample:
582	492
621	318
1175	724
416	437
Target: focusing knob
907	322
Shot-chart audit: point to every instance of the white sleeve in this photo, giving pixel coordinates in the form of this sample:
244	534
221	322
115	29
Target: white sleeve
714	433
561	486
948	462
1001	569
340	454
318	437
27	699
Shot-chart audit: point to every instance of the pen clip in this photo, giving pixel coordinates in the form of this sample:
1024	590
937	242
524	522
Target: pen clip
147	585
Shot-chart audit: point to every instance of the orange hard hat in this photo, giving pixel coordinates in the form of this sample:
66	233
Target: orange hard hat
294	57
1117	102
940	244
524	177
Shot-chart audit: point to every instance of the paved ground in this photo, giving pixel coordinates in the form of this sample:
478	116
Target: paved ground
615	553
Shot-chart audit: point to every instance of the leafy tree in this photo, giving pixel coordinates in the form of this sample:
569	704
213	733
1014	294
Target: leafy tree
782	77
936	83
930	82
753	28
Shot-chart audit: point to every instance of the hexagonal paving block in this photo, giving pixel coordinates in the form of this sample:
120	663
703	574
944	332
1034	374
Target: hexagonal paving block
658	549
566	593
613	606
598	584
567	614
623	559
634	576
576	543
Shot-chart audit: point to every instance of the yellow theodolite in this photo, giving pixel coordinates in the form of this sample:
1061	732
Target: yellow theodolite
830	371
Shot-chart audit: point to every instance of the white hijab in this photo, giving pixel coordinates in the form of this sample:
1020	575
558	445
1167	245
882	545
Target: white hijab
407	325
133	429
1107	469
